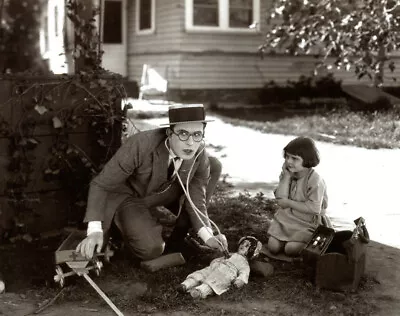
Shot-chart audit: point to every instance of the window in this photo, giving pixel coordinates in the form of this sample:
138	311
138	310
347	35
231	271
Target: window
240	13
112	28
145	16
56	21
46	33
222	15
205	12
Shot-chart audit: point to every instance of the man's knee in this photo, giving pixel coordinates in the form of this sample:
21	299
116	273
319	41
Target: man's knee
148	252
215	167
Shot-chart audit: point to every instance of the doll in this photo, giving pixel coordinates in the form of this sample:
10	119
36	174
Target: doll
222	272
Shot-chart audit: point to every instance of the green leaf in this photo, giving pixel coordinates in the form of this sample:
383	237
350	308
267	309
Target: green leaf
57	123
101	142
40	109
102	82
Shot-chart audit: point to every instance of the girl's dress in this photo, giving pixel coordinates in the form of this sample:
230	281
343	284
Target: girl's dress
292	225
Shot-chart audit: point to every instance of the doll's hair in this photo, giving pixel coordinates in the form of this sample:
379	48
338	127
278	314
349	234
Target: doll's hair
305	148
255	246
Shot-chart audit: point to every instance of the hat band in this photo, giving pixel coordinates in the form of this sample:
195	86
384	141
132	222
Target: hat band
186	114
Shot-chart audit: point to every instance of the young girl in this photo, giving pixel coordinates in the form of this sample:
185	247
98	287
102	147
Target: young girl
302	197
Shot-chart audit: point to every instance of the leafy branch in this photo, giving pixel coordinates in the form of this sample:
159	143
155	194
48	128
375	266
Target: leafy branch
60	108
352	35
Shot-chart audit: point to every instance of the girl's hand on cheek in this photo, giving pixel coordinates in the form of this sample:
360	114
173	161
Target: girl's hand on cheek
285	171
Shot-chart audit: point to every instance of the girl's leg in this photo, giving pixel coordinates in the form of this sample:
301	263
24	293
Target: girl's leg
293	248
201	291
275	245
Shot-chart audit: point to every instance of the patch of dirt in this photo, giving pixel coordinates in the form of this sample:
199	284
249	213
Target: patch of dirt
289	291
29	269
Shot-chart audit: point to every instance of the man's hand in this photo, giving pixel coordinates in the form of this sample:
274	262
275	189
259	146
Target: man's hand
283	202
238	283
92	242
218	242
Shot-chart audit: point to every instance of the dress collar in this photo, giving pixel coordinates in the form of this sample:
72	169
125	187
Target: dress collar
301	174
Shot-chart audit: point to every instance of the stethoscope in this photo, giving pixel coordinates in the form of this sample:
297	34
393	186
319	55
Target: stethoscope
186	191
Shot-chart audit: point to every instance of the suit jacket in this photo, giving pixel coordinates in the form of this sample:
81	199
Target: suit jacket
139	168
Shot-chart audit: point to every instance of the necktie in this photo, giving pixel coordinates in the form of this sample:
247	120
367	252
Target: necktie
171	166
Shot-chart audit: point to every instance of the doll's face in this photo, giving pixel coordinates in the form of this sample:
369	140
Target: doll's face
244	247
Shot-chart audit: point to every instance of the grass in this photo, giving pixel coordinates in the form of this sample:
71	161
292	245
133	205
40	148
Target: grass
369	130
289	291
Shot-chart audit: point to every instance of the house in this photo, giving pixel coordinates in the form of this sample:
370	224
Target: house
203	48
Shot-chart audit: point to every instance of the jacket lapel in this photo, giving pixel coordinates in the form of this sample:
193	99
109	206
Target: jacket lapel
160	168
185	168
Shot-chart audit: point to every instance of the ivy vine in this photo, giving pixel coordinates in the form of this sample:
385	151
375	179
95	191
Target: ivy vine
62	108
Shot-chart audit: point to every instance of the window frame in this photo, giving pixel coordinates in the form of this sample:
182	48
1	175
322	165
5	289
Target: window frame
152	29
223	14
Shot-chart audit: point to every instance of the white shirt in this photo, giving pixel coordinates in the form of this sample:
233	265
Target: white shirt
178	162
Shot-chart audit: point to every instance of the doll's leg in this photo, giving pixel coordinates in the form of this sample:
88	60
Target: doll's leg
194	279
201	291
275	245
293	248
189	283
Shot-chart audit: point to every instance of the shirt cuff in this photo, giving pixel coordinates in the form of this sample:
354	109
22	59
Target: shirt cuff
94	227
205	233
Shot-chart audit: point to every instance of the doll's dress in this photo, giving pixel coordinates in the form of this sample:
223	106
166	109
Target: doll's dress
222	271
291	225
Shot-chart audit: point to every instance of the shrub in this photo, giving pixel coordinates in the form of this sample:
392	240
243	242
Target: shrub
304	87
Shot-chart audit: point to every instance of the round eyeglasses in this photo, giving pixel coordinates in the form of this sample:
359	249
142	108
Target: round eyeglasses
184	135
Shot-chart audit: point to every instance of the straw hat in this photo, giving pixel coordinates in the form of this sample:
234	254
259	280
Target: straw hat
186	113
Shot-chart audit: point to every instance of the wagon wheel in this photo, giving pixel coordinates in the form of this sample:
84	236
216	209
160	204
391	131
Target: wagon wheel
59	277
98	265
108	253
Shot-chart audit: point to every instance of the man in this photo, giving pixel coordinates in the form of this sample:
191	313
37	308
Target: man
135	192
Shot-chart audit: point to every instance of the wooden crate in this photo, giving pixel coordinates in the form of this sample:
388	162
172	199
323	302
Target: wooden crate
342	265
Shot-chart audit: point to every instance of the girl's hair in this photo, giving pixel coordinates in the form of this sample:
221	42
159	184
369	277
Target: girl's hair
305	148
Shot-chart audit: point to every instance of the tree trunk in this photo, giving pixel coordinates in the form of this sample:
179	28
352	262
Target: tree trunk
381	58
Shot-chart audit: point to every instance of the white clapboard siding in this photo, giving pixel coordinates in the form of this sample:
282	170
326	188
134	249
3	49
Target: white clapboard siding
194	60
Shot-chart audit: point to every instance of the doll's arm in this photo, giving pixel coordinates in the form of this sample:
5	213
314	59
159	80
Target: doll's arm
243	276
